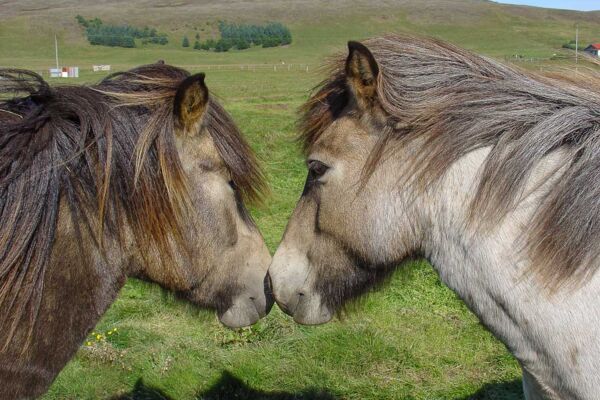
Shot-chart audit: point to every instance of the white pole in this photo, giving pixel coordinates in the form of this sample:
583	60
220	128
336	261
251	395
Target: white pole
576	43
56	50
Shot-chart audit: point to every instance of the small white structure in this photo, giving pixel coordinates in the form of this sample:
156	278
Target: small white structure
64	72
101	67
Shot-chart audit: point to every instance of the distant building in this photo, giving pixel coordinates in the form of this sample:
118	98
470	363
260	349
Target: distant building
593	49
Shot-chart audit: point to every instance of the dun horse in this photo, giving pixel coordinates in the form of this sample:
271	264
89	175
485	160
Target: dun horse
143	175
419	148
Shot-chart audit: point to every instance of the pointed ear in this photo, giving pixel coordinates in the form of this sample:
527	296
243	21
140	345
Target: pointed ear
361	72
191	100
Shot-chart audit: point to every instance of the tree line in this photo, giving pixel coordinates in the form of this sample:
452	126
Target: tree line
99	33
242	36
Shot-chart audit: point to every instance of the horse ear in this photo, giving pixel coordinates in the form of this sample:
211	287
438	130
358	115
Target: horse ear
362	71
191	100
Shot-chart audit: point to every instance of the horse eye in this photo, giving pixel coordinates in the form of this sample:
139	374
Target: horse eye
317	169
232	185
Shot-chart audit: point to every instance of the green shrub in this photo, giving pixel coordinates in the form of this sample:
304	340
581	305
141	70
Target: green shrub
102	34
571	45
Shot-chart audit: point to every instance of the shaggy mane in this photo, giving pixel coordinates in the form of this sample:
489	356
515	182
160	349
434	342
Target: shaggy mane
108	152
456	102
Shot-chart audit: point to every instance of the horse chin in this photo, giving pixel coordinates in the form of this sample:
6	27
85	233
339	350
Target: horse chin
307	309
312	312
240	314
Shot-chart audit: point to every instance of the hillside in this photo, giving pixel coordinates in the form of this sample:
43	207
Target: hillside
319	27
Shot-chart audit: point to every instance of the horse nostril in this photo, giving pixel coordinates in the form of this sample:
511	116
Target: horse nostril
252	298
300	294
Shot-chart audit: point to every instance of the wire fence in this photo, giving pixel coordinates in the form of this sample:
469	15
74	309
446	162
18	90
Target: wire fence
281	67
543	63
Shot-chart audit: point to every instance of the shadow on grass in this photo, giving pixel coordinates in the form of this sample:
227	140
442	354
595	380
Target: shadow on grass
228	387
498	391
142	392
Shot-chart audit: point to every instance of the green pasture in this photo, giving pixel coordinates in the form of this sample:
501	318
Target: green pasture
414	339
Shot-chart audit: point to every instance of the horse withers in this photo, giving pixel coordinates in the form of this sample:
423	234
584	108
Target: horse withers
417	148
143	175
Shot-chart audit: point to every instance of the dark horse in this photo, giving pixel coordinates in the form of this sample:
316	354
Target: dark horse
416	147
143	175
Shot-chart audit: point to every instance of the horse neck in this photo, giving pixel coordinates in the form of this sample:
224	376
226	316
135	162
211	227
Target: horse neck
490	272
483	266
79	285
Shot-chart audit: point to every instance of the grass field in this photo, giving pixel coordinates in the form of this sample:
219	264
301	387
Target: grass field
412	340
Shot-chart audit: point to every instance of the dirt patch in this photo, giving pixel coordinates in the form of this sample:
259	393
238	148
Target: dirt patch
273	106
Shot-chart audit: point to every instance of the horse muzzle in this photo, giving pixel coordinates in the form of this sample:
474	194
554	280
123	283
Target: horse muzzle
294	295
248	308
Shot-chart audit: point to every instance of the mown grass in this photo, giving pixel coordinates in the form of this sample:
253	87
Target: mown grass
414	339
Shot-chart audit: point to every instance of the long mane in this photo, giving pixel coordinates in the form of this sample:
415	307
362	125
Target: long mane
108	153
455	102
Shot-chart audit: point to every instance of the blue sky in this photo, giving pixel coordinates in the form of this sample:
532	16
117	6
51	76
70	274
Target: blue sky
583	5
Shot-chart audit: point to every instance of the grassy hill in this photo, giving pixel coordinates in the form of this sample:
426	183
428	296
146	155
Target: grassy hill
412	340
319	27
